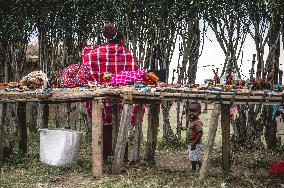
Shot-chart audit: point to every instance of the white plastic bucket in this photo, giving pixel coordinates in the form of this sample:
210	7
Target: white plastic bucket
59	147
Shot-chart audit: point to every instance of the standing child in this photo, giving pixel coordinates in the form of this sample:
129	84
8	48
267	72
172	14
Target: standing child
194	135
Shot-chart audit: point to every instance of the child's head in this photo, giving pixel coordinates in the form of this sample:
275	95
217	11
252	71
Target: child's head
193	117
194	109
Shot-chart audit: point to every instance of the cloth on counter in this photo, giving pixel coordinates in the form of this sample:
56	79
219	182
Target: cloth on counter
35	80
69	74
127	77
150	78
142	87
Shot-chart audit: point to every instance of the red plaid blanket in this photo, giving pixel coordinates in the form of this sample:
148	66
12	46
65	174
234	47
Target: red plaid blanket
111	58
126	77
97	60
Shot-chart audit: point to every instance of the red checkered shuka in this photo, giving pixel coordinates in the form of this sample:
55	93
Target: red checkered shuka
126	77
111	58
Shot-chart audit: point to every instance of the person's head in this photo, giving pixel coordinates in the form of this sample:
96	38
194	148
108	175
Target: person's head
194	111
111	33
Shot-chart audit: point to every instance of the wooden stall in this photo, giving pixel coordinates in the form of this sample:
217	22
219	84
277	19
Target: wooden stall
222	100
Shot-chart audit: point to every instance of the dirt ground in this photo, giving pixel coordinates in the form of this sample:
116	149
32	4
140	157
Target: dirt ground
172	169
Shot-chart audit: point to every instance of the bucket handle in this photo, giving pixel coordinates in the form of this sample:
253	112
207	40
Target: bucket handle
42	130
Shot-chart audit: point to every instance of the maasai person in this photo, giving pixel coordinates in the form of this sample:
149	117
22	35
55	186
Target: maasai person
194	135
111	58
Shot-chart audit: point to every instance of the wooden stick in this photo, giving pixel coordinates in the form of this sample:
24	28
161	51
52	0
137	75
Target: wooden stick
13	119
138	134
97	138
45	115
1	131
42	115
226	144
33	118
152	133
57	124
115	124
122	138
21	118
211	137
67	115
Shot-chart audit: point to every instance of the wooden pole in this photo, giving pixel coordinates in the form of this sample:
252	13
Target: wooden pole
138	134
115	124
57	124
43	114
22	130
67	115
1	131
97	138
152	132
33	117
211	137
205	105
10	116
226	145
122	138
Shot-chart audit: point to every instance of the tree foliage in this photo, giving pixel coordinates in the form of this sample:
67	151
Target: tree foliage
153	30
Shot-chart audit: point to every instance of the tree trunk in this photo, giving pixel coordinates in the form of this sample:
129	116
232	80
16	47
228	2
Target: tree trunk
270	130
168	133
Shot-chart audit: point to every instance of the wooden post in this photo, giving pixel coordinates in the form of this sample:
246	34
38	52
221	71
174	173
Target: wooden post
206	104
138	134
43	114
57	124
226	145
205	107
115	124
122	138
10	116
97	138
152	132
87	120
33	117
1	131
211	137
22	127
67	115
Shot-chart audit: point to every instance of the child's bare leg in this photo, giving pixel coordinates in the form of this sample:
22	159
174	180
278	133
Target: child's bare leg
199	163
193	165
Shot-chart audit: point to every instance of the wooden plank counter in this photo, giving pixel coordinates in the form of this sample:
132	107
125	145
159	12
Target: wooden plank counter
129	96
265	98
